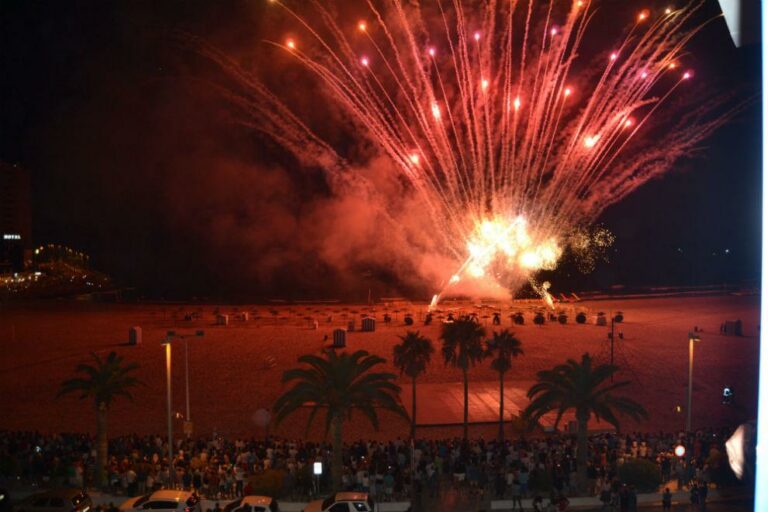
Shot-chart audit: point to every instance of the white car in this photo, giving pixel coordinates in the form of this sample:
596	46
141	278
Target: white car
343	502
164	501
134	503
257	504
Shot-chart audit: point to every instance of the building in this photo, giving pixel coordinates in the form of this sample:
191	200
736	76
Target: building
15	218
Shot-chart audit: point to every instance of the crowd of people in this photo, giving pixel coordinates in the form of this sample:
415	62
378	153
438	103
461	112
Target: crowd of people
220	468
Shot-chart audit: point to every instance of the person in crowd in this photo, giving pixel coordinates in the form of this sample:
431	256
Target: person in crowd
218	468
666	499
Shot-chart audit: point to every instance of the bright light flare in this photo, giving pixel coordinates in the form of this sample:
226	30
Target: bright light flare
477	36
414	158
364	61
736	447
614	56
431	51
290	43
362	26
484	84
517	103
505	241
436	111
643	15
567	91
590	141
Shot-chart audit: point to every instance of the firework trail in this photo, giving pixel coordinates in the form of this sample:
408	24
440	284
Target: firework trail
477	104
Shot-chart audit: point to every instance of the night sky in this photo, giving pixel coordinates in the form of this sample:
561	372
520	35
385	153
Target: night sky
137	161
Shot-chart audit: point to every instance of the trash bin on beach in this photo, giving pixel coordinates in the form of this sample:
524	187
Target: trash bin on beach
134	335
339	338
368	325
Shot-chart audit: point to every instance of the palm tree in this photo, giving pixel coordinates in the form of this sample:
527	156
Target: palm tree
339	383
104	381
411	357
583	388
503	347
463	348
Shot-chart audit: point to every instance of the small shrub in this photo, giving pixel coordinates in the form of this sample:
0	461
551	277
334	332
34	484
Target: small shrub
562	318
643	474
518	318
581	318
619	317
538	319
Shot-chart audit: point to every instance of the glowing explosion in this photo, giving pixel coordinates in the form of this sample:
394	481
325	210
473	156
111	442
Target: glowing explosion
511	146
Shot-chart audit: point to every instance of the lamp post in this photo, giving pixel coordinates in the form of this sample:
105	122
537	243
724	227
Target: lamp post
171	335
692	338
167	345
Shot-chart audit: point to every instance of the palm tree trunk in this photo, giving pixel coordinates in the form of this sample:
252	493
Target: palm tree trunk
413	411
101	438
501	406
581	456
466	404
337	461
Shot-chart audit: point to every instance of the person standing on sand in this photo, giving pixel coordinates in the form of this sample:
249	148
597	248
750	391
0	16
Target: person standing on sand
703	490
517	498
694	496
666	499
632	499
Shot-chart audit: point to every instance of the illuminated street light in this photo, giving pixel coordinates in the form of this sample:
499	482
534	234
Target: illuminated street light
167	345
692	338
170	336
680	451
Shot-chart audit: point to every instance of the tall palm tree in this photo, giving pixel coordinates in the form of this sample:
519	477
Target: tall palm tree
463	348
584	388
411	357
103	381
339	383
502	348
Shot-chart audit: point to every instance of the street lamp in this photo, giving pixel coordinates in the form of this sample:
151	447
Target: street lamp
692	338
170	336
167	345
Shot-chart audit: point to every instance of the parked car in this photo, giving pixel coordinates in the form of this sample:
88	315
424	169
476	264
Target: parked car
134	503
61	500
257	504
164	501
343	502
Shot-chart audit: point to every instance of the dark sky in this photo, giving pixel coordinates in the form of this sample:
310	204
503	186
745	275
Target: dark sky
135	161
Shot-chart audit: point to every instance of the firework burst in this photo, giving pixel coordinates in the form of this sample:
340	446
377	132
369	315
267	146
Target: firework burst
478	106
